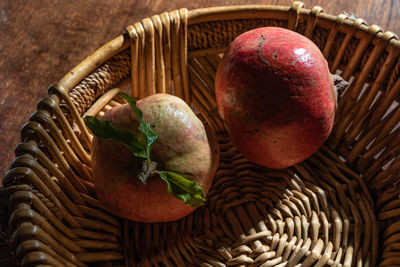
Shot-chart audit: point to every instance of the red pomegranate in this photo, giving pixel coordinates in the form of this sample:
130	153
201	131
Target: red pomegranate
275	94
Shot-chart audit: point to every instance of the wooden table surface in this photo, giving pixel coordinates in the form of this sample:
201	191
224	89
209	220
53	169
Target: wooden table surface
43	40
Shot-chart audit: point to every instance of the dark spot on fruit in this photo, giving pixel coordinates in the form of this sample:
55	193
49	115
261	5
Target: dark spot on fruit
275	53
259	50
200	137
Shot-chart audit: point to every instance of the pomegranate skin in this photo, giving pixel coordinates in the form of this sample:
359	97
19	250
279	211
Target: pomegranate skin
275	94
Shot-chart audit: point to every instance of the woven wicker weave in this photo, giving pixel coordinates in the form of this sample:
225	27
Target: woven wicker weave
340	207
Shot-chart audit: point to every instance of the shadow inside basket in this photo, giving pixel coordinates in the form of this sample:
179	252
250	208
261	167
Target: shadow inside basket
318	211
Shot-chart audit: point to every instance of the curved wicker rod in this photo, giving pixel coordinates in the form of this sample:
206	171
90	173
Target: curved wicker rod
23	214
339	224
349	32
43	118
96	235
288	252
51	104
205	83
59	91
345	170
159	53
387	178
183	42
95	203
100	256
255	236
31	148
93	61
179	53
63	160
186	247
99	226
38	258
392	233
134	56
383	141
29	246
101	102
149	55
383	106
141	63
99	215
98	244
166	51
237	12
26	160
366	39
29	231
32	177
178	255
392	91
210	65
349	99
27	196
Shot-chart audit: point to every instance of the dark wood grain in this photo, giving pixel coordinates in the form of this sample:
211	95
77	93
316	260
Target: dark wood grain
42	40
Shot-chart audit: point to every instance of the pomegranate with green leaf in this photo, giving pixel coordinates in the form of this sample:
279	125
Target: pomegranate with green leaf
152	160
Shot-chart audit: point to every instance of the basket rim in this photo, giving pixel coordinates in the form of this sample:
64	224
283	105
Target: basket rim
199	15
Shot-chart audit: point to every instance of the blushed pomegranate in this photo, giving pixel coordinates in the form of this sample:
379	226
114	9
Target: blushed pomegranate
154	161
275	93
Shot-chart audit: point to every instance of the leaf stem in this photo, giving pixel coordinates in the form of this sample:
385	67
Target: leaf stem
149	168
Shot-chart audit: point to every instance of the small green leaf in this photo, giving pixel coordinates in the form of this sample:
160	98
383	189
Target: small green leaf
178	186
149	136
132	102
104	130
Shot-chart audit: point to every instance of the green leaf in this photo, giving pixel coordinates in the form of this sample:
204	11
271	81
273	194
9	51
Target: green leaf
149	136
178	186
104	130
132	102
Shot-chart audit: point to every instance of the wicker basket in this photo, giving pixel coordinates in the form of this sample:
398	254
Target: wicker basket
340	207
